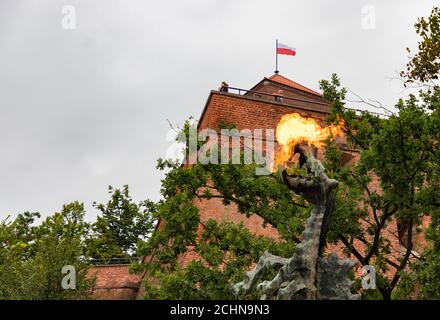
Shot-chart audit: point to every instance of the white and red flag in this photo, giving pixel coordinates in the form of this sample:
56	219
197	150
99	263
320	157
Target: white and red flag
283	49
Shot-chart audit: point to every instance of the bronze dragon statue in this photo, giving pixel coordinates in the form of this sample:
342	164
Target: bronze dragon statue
308	274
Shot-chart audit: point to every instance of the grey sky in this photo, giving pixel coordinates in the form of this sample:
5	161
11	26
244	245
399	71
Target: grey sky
82	109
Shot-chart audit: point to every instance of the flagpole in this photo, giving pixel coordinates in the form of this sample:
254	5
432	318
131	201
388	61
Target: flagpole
276	56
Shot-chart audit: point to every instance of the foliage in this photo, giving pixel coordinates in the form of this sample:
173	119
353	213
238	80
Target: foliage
424	66
121	224
31	257
225	250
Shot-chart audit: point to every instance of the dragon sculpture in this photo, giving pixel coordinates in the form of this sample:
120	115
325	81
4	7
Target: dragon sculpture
308	274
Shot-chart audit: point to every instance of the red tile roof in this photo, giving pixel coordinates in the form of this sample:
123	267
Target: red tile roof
287	82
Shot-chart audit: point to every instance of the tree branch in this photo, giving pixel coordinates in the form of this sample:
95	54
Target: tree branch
352	249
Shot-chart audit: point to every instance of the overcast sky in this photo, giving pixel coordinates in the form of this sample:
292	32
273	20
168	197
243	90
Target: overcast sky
86	108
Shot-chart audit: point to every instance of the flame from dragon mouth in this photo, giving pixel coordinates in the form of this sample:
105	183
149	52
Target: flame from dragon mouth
293	129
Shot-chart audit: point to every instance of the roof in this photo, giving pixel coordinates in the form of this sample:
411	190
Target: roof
287	82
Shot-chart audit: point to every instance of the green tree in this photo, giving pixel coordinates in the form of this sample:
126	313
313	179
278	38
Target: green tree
423	278
398	150
424	66
32	257
402	151
15	249
120	226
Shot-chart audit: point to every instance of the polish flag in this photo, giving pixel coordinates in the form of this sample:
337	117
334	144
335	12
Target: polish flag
283	49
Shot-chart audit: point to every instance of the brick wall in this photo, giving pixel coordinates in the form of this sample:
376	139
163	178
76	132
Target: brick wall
251	113
114	282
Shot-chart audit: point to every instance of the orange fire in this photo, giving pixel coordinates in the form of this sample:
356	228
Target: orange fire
294	128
